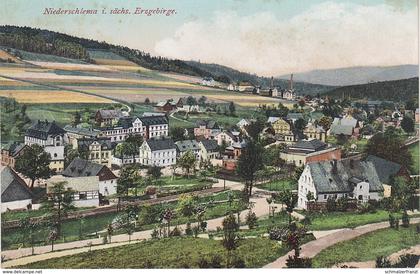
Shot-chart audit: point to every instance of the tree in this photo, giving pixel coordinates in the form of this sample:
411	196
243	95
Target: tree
403	191
290	200
389	145
167	216
187	205
202	101
300	124
58	203
325	122
191	101
126	221
129	176
71	154
177	133
155	172
294	238
29	228
254	129
147	101
77	118
187	162
407	124
230	239
232	109
301	103
34	164
249	162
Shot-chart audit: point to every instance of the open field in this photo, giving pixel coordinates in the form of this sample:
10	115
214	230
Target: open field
178	252
51	96
414	150
369	246
6	56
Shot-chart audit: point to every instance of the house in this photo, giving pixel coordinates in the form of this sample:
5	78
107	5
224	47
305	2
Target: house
146	126
226	137
84	168
232	87
335	179
86	189
387	169
270	92
108	117
294	116
208	81
347	126
51	137
15	193
314	150
165	106
290	93
11	152
209	150
158	152
99	150
122	160
232	154
282	127
188	145
315	132
74	133
272	119
206	129
243	123
246	86
184	104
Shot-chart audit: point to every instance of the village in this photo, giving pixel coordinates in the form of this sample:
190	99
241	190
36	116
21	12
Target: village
123	177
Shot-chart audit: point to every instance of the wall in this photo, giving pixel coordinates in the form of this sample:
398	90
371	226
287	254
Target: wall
15	205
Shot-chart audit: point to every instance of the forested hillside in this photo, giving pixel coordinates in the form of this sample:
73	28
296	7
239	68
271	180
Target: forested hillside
398	90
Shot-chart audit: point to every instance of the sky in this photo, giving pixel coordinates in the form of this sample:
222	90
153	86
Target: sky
265	37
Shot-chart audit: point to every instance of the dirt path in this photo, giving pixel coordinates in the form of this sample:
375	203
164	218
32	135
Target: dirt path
314	247
23	256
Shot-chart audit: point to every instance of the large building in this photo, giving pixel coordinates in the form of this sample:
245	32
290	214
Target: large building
108	117
146	126
206	129
158	152
209	150
10	153
183	147
315	132
346	126
73	133
336	179
51	137
99	150
314	150
15	193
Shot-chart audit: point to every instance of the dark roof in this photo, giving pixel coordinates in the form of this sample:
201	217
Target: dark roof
311	146
125	122
210	145
41	130
294	116
110	113
187	145
208	124
341	129
385	169
153	120
348	172
84	143
14	148
82	168
160	144
82	131
13	188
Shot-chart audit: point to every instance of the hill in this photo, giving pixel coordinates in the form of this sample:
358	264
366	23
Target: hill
398	90
356	75
227	74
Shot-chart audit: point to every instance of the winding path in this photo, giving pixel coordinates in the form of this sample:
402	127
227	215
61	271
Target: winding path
311	249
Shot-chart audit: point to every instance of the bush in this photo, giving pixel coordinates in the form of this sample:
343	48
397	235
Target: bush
155	233
331	204
203	226
397	223
251	220
176	232
342	204
405	219
196	230
188	230
237	262
296	262
382	262
391	221
216	261
203	263
306	221
407	260
278	233
363	208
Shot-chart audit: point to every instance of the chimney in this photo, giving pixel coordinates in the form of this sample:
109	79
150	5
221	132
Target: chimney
272	82
334	167
291	81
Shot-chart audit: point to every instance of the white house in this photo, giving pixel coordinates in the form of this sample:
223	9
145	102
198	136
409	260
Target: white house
226	137
208	81
15	193
158	151
188	145
335	179
209	150
51	137
107	184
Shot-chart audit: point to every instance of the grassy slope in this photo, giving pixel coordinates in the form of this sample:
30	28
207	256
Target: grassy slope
414	150
369	246
166	253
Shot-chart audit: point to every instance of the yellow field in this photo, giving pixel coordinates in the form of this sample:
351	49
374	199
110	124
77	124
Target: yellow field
4	55
114	62
51	96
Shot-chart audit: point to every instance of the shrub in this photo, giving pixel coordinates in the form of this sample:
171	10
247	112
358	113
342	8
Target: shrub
216	261
342	204
297	262
397	223
155	233
331	205
382	262
363	208
238	262
391	221
105	240
203	263
196	230
188	230
407	260
176	232
251	220
405	219
306	221
278	233
203	226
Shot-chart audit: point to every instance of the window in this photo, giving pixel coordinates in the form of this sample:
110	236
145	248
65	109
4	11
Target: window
82	196
55	155
325	196
360	187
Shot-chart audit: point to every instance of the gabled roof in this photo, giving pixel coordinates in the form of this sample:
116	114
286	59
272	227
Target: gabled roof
13	187
385	169
294	116
153	120
186	145
327	179
15	148
82	168
309	146
272	119
110	113
160	144
210	145
82	131
79	184
345	121
208	124
42	129
125	122
341	129
84	143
